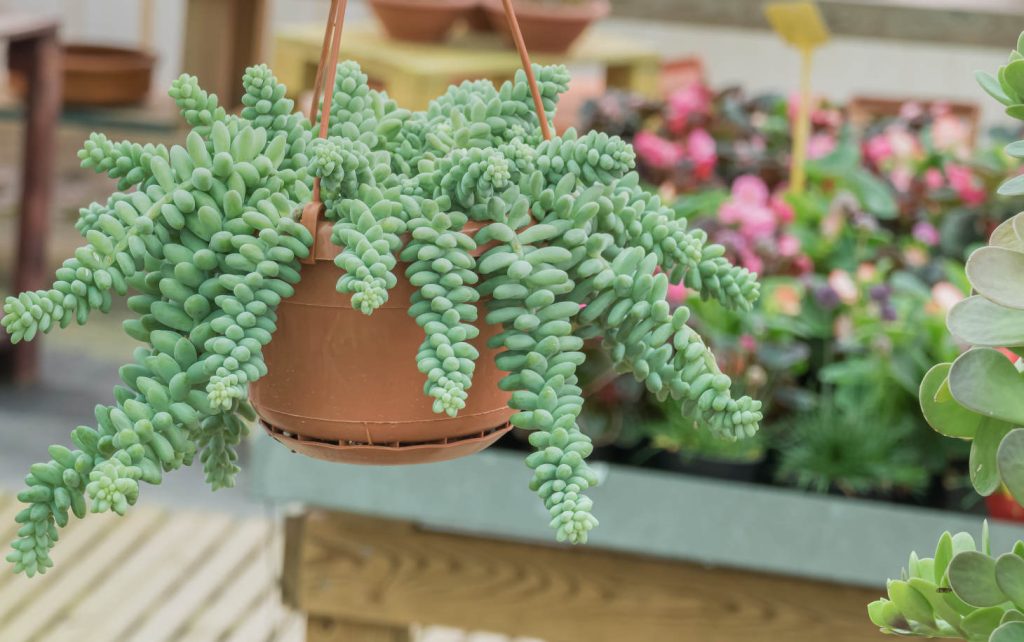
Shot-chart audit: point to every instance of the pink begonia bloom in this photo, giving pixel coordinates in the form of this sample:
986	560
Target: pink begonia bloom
748	342
787	299
750	260
951	134
656	151
783	210
788	245
820	145
877	149
911	110
677	294
866	272
749	189
702	152
933	178
901	178
820	116
945	295
842	283
803	264
684	102
925	232
963	182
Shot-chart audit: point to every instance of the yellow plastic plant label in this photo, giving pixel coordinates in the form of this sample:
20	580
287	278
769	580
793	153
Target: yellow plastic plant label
798	23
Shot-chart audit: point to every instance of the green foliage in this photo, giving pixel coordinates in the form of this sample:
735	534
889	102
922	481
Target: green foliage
569	246
962	592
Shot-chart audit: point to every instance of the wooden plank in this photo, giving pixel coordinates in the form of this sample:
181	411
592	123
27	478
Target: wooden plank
237	600
122	583
319	629
242	543
74	544
359	567
60	595
162	578
269	621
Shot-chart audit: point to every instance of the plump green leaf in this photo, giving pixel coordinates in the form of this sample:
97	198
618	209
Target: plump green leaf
1010	577
981	322
993	271
983	464
1009	632
1013	186
980	624
910	602
1010	458
943	555
972	576
984	380
1006	235
941	411
990	84
1013	75
1015	149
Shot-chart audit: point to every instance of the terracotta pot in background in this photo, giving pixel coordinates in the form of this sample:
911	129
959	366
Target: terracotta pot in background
548	27
94	75
478	21
420	20
344	386
1002	505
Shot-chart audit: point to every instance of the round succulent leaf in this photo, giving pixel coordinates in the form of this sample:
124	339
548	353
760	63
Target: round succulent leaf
983	461
1015	149
993	272
1010	577
972	576
1010	460
1008	632
1006	234
981	322
886	615
943	555
947	417
985	381
991	85
911	603
1013	75
942	609
1013	186
1012	615
980	624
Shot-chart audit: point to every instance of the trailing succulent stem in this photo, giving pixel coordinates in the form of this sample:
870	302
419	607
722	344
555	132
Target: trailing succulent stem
554	238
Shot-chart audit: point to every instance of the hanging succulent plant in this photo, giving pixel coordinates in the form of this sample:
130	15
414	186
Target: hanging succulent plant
209	240
964	593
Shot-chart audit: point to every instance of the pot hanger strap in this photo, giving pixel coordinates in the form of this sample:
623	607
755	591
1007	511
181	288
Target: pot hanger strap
323	93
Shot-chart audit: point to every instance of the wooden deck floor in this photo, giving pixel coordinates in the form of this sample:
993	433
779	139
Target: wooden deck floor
160	576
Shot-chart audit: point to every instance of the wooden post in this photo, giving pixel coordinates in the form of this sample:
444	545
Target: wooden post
42	113
355	571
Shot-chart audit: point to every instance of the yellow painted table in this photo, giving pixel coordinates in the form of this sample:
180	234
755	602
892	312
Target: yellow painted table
414	73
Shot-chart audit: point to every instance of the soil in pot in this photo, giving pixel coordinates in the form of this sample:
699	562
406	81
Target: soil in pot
549	27
420	20
94	75
344	386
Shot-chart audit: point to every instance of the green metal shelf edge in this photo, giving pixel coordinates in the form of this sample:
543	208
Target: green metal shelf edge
712	522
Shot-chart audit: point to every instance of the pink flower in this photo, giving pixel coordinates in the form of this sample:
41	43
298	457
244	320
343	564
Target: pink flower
842	283
901	177
783	210
915	256
749	189
877	149
911	110
702	152
677	294
965	184
787	299
748	342
803	264
945	295
694	99
866	272
933	178
656	151
950	134
820	116
926	233
788	245
820	145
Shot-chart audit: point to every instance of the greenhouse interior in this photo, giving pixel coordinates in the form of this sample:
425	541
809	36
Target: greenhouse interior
782	398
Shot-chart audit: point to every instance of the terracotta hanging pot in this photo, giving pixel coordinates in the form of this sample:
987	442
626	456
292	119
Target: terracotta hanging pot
344	386
420	20
549	27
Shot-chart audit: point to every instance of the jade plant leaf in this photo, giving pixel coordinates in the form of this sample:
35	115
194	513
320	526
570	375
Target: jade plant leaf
1015	149
984	464
972	576
1006	234
992	87
1010	458
988	269
941	411
984	380
1013	74
981	623
1008	632
979	321
1010	577
910	602
1015	185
